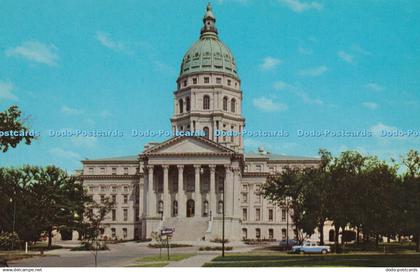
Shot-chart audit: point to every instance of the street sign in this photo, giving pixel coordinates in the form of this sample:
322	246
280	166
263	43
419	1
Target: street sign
167	231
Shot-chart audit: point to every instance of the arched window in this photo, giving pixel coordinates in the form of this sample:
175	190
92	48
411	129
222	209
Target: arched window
233	105
331	235
206	132
190	208
188	102
175	208
205	208
181	105
225	103
206	102
160	208
220	207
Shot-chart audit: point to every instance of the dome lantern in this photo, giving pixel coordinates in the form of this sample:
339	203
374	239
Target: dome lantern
209	53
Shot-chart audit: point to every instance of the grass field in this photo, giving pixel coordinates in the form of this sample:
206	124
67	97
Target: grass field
331	260
159	261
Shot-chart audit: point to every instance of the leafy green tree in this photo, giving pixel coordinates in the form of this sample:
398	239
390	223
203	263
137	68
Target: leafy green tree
94	215
411	200
11	121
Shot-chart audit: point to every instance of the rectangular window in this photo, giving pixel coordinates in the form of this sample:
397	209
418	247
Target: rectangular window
103	188
125	199
283	215
244	197
245	187
125	232
113	233
270	215
258	233
114	189
90	170
125	170
259	167
102	170
114	214
114	170
102	198
114	198
206	80
195	80
270	233
91	189
257	214
283	234
219	80
229	82
244	214
125	188
125	214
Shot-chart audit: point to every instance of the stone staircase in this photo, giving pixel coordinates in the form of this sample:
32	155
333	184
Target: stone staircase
188	229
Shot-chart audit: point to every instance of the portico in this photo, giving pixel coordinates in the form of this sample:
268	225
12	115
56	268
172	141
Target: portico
189	185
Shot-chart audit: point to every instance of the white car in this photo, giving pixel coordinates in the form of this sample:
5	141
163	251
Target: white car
311	247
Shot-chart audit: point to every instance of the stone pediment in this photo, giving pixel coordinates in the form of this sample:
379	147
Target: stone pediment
188	145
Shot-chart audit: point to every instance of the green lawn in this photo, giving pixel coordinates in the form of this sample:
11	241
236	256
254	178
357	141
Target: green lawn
285	260
159	261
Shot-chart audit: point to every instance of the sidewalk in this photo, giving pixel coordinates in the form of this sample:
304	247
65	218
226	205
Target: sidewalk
195	261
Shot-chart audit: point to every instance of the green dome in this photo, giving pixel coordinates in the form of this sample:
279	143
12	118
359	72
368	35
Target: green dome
209	54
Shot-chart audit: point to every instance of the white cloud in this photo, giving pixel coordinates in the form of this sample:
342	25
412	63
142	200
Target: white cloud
372	86
300	6
35	51
316	71
268	105
281	85
105	114
64	154
305	50
86	142
71	111
370	105
345	56
270	63
108	42
379	128
358	49
6	90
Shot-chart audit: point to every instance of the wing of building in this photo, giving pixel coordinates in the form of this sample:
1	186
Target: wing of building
186	182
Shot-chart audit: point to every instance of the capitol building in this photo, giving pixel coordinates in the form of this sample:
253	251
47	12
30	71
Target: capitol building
186	182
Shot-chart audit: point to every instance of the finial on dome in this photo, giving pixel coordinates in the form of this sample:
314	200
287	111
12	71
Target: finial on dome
209	21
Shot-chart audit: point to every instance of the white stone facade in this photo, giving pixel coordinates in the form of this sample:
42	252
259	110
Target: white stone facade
185	182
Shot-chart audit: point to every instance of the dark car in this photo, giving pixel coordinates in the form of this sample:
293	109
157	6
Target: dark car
287	244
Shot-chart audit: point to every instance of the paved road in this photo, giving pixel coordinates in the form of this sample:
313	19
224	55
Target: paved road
118	255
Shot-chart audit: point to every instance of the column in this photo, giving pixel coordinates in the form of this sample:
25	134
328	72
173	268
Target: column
182	202
228	191
166	196
197	192
212	193
151	203
236	192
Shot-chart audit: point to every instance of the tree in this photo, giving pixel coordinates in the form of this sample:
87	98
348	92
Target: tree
411	187
94	216
12	123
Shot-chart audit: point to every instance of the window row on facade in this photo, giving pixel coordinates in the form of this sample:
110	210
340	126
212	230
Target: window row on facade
259	235
206	104
258	216
110	170
208	80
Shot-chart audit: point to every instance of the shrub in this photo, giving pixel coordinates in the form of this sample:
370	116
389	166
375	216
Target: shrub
214	248
170	245
219	240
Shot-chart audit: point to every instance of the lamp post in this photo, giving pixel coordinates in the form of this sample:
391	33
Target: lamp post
287	224
13	222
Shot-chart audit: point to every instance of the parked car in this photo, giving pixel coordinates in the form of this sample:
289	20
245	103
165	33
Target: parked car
287	244
311	247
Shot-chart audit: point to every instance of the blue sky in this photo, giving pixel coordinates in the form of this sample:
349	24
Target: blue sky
311	65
